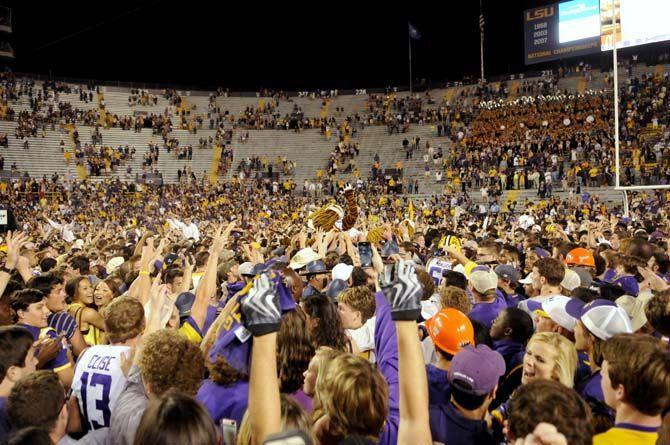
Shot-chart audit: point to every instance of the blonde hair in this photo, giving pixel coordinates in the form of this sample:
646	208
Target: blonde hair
293	417
360	298
354	395
565	360
323	356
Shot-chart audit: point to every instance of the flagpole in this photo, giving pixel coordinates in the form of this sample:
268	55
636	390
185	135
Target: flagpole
481	41
409	42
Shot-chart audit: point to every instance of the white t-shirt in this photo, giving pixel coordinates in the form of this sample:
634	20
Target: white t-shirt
365	337
98	382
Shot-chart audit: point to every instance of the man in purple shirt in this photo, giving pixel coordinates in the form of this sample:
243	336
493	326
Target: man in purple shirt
474	375
487	303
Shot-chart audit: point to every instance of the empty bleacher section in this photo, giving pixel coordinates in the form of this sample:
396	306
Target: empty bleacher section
118	130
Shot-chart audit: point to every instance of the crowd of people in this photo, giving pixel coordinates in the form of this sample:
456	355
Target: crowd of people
227	313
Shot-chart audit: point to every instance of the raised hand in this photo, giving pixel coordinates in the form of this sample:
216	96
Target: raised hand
15	242
261	307
404	292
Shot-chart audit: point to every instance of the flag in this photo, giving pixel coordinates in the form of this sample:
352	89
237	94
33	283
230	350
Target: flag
481	22
410	210
413	32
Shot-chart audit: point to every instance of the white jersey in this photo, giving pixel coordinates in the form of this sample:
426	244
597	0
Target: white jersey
98	382
436	267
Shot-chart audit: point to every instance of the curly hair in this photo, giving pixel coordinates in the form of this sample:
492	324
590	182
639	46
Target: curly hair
455	297
551	402
170	360
294	351
328	330
222	373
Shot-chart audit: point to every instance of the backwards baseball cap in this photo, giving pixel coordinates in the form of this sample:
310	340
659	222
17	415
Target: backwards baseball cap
580	257
603	318
629	284
571	280
483	279
634	307
555	308
507	272
476	370
246	269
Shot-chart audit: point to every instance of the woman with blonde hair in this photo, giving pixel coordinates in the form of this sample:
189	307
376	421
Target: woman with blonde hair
550	356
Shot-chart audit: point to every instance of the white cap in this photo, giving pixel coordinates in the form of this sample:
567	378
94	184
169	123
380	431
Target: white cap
634	307
554	306
571	280
342	272
606	320
527	280
246	268
303	257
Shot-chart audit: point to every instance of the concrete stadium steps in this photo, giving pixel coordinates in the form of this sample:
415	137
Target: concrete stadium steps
607	195
309	149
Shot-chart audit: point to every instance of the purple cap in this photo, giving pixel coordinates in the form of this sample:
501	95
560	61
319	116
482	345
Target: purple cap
533	305
629	284
234	343
541	253
480	368
574	308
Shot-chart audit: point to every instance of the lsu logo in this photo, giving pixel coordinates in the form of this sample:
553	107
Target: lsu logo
540	13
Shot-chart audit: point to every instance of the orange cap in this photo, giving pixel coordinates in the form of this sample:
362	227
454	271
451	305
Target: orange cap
450	330
580	257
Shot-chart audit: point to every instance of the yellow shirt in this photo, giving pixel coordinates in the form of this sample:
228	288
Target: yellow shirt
627	434
191	331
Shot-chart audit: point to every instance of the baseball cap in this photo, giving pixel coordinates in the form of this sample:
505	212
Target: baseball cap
580	257
629	284
507	272
528	279
634	307
541	253
303	257
585	277
482	279
342	271
477	368
246	269
184	303
336	287
555	308
450	330
603	318
571	280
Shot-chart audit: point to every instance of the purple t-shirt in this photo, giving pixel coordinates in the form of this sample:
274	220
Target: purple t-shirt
224	402
304	400
61	361
439	390
485	313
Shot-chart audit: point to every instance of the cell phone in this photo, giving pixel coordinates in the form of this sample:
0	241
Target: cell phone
365	254
229	431
294	437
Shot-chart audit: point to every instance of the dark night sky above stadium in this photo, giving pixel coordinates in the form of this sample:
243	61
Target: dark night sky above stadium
276	46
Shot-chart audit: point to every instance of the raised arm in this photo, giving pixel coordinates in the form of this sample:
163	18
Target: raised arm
207	287
404	296
262	315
